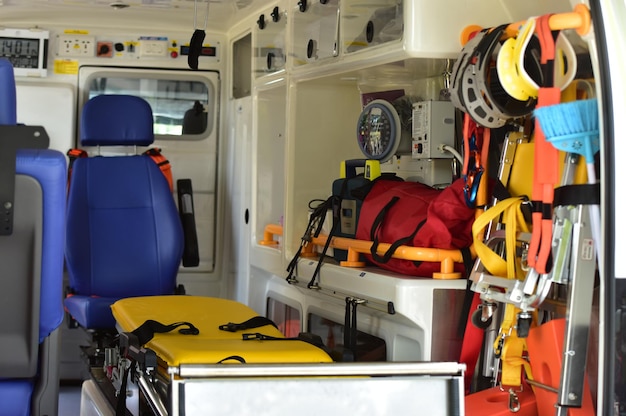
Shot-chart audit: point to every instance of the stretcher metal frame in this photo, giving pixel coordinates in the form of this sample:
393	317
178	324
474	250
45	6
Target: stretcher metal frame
310	389
433	388
148	385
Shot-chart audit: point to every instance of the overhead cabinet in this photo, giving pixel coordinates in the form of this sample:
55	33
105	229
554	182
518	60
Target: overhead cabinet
270	54
315	31
369	23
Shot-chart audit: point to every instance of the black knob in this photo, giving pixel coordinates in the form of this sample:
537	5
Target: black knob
275	14
369	32
104	50
311	48
119	46
302	5
261	22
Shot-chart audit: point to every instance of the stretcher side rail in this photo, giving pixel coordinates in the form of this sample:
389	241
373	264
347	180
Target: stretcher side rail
354	247
319	370
429	388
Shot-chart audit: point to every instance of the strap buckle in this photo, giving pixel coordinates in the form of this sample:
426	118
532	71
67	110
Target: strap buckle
231	327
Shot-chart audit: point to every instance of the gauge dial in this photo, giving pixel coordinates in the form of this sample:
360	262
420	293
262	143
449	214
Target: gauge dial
378	130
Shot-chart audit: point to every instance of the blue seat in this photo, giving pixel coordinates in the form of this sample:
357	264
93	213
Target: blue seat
124	235
31	254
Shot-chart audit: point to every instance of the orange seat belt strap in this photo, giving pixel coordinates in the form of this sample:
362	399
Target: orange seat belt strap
162	163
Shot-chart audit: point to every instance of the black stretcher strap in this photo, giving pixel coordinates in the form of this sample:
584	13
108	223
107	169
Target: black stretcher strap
307	337
146	331
255	322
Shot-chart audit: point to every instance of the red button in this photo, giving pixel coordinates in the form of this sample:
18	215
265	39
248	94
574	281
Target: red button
174	54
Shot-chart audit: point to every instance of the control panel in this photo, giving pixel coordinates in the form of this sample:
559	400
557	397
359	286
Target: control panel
115	47
433	128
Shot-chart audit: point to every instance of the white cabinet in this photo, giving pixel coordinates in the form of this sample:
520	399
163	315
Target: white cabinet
315	31
367	23
270	53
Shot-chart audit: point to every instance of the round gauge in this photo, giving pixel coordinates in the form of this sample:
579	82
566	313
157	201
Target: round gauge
378	130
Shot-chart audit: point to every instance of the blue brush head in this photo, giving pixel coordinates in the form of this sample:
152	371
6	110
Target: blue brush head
572	127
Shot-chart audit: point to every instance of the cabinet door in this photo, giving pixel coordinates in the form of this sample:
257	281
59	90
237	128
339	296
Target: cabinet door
316	30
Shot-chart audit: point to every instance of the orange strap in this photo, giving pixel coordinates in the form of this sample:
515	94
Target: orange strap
546	168
162	163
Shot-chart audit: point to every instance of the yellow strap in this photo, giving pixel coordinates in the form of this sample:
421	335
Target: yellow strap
506	327
521	363
511	348
508	345
512	360
513	218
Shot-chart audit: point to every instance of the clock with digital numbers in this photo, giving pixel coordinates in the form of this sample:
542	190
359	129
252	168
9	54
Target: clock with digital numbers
26	49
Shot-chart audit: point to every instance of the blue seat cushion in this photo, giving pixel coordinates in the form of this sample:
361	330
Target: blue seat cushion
91	312
15	397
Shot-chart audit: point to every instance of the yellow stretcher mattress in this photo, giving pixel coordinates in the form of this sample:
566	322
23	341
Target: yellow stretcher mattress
211	345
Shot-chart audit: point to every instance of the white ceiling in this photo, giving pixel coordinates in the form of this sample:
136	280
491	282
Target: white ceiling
152	14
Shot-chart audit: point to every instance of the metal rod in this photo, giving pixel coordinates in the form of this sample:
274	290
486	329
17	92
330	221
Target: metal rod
542	386
154	400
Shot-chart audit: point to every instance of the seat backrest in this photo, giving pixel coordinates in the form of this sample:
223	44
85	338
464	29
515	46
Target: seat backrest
31	254
124	236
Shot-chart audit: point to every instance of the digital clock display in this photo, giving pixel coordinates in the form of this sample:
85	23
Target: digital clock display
26	49
205	51
23	53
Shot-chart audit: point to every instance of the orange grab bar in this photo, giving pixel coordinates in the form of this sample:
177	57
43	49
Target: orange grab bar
268	234
579	19
447	258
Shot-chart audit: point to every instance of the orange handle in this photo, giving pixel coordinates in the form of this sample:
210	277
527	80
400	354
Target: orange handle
579	19
447	258
268	234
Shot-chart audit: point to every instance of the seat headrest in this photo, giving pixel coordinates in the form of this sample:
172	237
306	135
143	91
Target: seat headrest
8	112
117	120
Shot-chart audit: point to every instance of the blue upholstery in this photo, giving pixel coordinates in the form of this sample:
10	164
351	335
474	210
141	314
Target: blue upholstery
25	394
124	236
48	167
117	120
15	397
8	109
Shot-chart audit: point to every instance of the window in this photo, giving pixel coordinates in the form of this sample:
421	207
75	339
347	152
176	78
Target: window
180	107
287	318
367	347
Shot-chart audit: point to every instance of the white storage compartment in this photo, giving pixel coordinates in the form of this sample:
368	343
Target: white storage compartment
270	54
366	23
323	130
315	31
417	318
418	28
269	169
